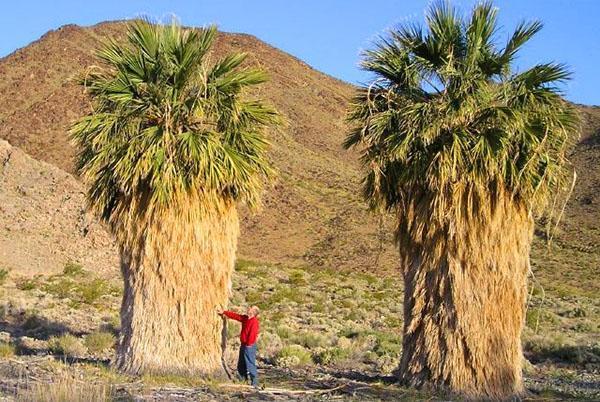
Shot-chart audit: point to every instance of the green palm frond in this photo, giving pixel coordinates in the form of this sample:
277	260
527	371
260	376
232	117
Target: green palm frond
445	111
165	122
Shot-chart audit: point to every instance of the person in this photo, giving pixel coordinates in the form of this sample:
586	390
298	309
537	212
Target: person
248	335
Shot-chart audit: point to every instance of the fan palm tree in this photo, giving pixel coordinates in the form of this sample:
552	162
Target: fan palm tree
466	152
168	149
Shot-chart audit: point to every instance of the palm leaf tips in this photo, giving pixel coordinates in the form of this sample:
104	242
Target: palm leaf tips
445	109
167	122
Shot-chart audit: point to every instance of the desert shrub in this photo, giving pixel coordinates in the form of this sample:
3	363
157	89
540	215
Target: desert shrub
284	331
90	292
292	356
98	342
535	317
62	288
309	339
584	327
331	356
3	275
73	269
285	294
296	278
354	315
7	349
254	297
393	321
318	306
243	265
26	284
66	345
81	291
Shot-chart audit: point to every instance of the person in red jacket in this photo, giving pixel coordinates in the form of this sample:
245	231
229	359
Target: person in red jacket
247	358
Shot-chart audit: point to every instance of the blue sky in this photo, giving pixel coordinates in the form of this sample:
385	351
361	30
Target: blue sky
329	34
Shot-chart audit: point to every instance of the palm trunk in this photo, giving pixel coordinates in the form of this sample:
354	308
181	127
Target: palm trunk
464	302
177	274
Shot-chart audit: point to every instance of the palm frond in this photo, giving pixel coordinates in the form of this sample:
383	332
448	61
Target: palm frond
166	124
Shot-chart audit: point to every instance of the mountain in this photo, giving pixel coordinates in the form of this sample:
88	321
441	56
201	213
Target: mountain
313	213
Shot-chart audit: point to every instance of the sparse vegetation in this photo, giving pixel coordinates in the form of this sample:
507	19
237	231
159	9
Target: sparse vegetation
7	350
292	356
3	276
67	345
73	269
64	389
98	342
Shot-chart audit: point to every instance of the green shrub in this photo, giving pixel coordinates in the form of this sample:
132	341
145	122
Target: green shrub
67	345
254	297
534	317
309	339
62	288
284	331
7	350
90	292
26	284
3	275
98	342
292	356
331	356
72	269
296	278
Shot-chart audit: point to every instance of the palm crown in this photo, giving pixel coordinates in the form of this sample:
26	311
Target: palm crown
166	123
445	111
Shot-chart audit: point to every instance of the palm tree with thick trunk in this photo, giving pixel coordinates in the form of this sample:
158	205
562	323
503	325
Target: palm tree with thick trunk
466	152
171	145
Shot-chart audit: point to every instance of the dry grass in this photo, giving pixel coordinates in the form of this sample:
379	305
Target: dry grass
65	389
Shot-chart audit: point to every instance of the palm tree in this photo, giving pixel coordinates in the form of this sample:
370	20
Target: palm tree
168	149
466	152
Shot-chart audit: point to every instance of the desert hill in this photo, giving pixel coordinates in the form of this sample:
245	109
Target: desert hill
313	215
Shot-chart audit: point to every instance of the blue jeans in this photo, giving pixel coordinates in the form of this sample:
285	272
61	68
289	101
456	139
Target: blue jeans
247	364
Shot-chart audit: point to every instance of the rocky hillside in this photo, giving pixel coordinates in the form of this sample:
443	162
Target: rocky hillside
312	215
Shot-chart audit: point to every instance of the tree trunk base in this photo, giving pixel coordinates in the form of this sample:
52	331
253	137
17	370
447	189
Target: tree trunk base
464	304
176	280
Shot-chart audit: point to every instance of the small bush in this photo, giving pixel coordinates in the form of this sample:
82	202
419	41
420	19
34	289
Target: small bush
72	269
292	356
309	339
331	356
90	292
61	288
26	284
98	342
296	278
284	331
3	275
7	350
66	345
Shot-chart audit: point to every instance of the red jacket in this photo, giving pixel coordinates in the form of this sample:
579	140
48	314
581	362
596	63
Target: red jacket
249	331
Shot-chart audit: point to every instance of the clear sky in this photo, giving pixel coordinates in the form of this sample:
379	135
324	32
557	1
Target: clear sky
329	34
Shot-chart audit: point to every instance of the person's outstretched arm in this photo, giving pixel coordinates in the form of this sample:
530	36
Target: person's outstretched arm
233	316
